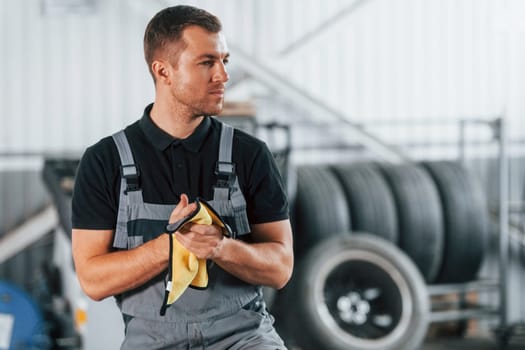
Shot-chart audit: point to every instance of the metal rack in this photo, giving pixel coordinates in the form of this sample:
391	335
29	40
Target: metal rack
461	308
466	310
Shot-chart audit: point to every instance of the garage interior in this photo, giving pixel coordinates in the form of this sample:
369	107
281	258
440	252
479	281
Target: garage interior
397	126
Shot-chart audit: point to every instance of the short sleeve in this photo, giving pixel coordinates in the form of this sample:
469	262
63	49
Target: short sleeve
95	202
266	200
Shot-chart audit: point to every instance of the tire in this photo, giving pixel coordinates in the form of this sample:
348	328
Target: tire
420	216
358	292
466	221
371	204
320	209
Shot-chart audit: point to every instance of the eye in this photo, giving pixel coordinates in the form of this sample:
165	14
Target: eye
208	63
226	61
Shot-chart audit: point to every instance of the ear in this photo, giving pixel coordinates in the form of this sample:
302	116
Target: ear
161	71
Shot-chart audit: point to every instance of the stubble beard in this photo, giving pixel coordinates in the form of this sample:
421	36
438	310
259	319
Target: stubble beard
207	110
199	108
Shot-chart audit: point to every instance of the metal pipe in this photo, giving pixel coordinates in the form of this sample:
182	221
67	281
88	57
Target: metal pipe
28	233
462	142
455	315
478	285
501	134
323	27
316	107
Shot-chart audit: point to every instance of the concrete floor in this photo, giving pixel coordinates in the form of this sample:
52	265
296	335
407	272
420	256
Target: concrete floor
475	338
479	343
470	343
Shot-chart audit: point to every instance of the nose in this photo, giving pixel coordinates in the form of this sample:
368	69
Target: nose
221	74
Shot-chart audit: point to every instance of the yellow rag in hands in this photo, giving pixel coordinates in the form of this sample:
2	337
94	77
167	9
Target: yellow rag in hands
184	268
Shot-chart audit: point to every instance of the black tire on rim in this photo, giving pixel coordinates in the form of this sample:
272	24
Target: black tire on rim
466	222
371	204
320	209
420	216
358	292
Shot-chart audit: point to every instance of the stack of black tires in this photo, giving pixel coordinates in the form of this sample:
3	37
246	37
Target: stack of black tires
368	239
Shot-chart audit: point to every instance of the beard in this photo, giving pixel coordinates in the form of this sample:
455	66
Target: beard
210	109
206	106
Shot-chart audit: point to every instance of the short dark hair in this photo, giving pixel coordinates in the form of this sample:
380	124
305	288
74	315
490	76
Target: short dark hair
168	24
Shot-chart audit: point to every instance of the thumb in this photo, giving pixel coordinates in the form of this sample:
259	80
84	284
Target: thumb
182	209
183	201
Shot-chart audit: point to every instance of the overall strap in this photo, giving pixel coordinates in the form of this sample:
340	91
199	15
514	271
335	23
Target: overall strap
225	149
227	187
130	192
224	169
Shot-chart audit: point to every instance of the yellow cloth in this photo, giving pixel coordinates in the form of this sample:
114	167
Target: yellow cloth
185	268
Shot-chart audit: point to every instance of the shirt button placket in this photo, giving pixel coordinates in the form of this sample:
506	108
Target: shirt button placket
180	177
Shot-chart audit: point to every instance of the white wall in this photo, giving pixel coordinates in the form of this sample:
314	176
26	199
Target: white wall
67	80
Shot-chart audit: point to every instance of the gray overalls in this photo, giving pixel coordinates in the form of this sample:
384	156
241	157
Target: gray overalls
229	313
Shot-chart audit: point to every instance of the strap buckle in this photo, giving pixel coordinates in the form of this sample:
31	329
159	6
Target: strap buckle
224	168
225	172
130	173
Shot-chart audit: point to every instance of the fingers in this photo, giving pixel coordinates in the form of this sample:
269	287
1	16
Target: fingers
182	209
201	240
183	200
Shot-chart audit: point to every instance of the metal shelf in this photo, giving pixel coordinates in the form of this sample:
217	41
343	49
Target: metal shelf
460	308
480	285
463	314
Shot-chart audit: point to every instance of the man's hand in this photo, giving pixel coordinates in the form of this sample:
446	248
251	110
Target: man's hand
183	208
103	272
202	240
267	259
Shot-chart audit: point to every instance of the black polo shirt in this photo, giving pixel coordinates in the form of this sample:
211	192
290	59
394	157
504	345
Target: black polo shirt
169	167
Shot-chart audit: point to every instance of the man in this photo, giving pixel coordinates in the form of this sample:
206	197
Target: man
121	205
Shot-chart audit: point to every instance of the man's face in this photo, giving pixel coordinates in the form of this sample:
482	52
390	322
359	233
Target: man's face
199	72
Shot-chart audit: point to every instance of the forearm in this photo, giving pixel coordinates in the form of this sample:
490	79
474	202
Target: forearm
268	263
112	273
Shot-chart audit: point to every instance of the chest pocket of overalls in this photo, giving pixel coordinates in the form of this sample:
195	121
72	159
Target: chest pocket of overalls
139	222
